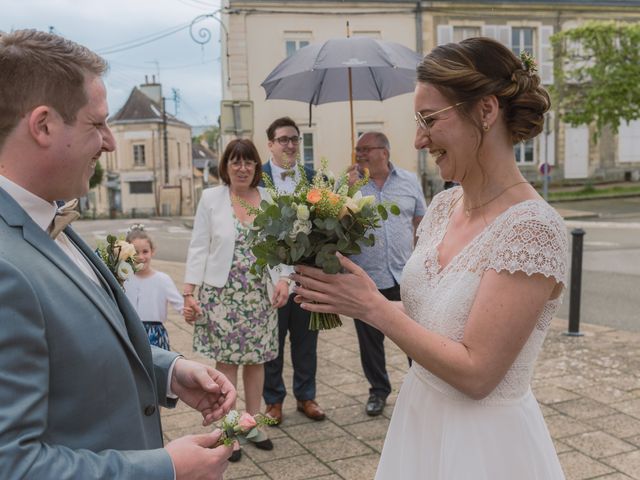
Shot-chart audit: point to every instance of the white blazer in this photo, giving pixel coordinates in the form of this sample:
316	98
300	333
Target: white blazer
213	239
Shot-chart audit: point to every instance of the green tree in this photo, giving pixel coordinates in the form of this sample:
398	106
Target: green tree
96	178
211	136
598	74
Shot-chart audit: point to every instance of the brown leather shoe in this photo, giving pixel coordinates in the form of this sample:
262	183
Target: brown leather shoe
274	411
311	409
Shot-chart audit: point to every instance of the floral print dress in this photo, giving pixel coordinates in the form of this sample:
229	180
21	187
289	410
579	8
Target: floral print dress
239	325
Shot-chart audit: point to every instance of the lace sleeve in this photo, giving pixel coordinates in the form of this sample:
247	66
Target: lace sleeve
534	240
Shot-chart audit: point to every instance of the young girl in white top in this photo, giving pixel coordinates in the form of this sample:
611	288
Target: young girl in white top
149	290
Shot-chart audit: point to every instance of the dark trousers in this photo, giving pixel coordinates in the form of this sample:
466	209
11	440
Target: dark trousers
371	341
303	342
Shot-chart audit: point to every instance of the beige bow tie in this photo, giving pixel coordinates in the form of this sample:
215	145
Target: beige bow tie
64	216
288	173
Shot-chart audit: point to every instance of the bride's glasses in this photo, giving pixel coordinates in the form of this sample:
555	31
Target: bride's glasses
425	122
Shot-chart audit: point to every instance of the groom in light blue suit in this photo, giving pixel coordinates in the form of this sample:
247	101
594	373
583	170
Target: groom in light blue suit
80	388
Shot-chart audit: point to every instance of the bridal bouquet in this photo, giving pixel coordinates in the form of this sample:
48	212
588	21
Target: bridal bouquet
314	222
119	257
241	427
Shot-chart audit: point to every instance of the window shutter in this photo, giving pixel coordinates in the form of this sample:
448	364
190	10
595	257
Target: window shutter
504	35
576	151
546	55
445	34
501	33
628	141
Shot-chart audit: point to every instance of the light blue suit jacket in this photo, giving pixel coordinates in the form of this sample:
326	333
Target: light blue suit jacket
79	384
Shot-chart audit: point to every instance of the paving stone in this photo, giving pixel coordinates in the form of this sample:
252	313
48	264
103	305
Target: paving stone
606	394
618	425
369	430
630	407
583	408
336	449
552	394
358	390
561	426
598	444
376	444
577	466
335	400
245	469
302	467
561	447
350	414
613	476
547	411
627	463
356	468
342	378
283	447
635	440
314	432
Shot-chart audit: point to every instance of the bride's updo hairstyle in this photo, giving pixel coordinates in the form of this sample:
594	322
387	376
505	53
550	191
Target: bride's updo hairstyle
478	67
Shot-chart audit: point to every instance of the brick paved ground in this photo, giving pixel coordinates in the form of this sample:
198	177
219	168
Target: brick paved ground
588	388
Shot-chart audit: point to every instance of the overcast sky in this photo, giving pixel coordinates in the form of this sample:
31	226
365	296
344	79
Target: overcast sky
106	25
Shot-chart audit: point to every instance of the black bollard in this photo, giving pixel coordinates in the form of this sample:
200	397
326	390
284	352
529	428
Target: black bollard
576	282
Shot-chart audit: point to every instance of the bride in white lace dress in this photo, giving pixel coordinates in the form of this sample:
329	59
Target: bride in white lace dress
482	285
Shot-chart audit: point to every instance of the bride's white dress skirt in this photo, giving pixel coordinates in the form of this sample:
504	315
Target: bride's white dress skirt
433	436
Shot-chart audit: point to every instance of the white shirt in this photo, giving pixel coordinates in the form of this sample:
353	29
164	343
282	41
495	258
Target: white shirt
287	185
150	296
42	213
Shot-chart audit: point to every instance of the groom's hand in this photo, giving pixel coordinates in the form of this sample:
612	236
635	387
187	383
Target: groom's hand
194	457
203	388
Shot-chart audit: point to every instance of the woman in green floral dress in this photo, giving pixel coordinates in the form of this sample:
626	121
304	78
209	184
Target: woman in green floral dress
235	319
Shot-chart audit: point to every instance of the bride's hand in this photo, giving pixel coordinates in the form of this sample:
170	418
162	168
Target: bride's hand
352	293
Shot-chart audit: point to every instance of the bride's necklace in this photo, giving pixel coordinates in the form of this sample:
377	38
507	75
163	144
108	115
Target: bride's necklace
468	210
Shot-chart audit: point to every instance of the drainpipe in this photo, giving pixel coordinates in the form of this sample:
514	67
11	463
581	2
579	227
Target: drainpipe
422	157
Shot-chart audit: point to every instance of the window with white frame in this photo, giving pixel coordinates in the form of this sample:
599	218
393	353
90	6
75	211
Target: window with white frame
462	33
522	40
307	149
524	152
294	41
138	155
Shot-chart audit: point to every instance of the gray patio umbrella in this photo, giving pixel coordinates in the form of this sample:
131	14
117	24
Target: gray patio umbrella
341	69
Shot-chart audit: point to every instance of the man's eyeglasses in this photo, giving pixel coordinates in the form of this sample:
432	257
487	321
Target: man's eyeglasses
368	149
426	121
238	163
284	141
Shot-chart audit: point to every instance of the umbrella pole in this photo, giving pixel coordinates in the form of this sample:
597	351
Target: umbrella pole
353	146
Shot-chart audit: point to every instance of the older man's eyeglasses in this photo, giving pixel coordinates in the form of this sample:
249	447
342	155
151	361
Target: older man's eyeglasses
238	163
368	149
426	121
284	140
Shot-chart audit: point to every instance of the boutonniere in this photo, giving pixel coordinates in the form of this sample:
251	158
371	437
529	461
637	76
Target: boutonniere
241	427
119	257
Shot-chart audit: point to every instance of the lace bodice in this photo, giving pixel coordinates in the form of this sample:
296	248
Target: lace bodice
529	237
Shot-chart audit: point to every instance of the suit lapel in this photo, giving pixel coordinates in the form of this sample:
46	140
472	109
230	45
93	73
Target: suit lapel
133	332
266	169
119	313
